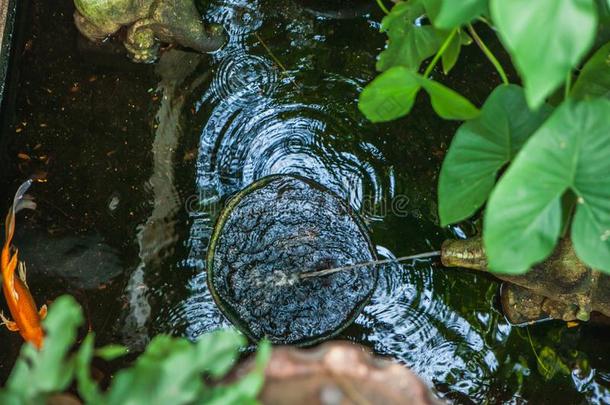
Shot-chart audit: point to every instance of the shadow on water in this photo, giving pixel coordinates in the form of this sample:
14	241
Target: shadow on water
142	158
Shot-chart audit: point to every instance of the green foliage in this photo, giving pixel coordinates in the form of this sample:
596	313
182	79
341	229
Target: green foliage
594	78
557	354
393	93
549	159
389	96
452	53
408	44
571	150
447	14
39	373
171	370
550	364
480	148
546	38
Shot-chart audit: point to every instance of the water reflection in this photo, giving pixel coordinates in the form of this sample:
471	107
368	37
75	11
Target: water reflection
256	127
262	119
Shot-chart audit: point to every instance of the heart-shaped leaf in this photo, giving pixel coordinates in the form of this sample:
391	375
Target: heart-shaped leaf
409	42
547	38
447	14
523	218
392	94
447	103
594	78
480	148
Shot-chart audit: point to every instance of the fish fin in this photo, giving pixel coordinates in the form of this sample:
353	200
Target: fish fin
22	273
26	203
23	188
20	201
10	325
9	226
42	312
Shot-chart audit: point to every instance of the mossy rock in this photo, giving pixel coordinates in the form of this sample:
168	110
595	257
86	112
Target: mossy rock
268	234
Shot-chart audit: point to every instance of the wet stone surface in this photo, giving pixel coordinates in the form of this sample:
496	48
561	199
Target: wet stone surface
267	235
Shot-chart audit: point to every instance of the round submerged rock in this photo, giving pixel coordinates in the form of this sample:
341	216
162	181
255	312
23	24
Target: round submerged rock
270	233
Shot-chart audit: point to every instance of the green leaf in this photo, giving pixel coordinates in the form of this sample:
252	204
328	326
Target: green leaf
550	364
248	387
87	388
594	78
164	373
452	53
218	351
480	148
448	14
523	218
391	95
409	43
170	370
447	103
111	352
39	373
546	39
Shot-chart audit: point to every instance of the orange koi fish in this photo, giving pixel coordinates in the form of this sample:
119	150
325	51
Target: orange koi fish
27	320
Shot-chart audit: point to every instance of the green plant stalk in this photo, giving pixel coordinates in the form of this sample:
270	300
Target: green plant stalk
546	370
440	52
383	7
494	61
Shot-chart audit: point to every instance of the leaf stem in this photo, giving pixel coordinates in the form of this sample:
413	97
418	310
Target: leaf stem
383	7
440	52
546	370
568	86
488	53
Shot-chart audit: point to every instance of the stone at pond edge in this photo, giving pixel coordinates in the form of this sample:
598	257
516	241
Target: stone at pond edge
559	287
146	23
270	232
336	373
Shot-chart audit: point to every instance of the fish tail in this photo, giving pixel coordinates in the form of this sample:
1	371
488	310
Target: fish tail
20	201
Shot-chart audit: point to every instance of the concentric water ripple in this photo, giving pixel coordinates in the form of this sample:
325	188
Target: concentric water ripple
409	321
238	17
241	79
240	146
259	122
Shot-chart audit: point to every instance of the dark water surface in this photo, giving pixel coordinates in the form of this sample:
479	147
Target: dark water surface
140	159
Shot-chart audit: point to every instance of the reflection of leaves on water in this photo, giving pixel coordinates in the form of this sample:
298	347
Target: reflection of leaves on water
556	356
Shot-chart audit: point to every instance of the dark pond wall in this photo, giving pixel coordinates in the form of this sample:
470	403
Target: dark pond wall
7	15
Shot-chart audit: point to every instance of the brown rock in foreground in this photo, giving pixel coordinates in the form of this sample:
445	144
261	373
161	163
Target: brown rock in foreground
337	373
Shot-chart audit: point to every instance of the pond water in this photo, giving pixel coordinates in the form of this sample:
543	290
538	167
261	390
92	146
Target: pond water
141	158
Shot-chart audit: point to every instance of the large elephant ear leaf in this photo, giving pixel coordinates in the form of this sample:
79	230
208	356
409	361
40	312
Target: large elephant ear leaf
594	78
409	43
547	38
523	217
480	148
447	14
